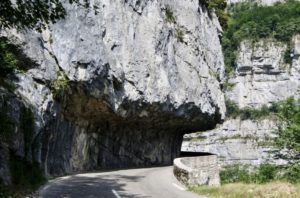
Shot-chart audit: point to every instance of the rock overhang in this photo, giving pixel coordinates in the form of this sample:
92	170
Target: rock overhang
133	87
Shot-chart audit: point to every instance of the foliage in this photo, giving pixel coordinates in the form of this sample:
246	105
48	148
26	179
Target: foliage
219	7
61	85
227	86
29	13
288	137
241	190
32	14
287	57
170	18
253	22
235	173
242	173
261	174
288	133
180	35
266	173
292	173
12	58
234	111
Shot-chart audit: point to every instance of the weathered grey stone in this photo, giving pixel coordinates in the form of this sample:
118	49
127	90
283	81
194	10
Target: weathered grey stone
236	141
262	77
194	171
133	88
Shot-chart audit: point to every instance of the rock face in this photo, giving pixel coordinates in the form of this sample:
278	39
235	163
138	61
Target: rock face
235	141
118	84
14	124
261	78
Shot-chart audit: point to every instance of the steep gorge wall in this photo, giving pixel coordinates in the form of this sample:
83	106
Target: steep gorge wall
262	77
118	84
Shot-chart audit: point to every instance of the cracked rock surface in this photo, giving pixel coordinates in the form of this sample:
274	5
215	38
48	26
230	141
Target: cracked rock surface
134	85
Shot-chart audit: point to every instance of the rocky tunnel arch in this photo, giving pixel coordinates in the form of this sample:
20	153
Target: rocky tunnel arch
88	134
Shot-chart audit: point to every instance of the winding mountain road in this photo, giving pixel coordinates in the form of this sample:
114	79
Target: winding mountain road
132	183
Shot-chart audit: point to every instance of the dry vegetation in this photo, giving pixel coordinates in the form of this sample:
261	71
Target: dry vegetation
240	190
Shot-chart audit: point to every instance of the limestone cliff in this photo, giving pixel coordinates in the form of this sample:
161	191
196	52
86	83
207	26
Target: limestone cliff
118	83
262	77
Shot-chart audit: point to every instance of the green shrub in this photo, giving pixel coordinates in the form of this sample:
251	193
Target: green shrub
219	7
13	58
170	18
60	86
262	174
235	173
180	35
287	56
288	132
291	173
288	137
243	173
266	173
253	22
234	111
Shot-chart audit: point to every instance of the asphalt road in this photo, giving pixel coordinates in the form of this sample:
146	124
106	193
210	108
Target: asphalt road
132	183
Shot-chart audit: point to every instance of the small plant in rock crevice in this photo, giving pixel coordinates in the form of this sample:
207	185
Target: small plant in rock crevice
60	85
180	35
170	18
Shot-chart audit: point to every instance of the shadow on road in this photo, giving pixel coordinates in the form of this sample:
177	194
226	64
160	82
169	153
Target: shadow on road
90	186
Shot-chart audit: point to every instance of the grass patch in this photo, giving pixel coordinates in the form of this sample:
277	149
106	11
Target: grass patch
242	173
240	190
261	174
252	22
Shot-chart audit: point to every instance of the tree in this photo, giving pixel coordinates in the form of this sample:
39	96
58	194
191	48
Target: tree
32	13
26	14
288	132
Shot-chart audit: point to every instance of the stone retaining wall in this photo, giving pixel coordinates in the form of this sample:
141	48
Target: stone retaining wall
202	170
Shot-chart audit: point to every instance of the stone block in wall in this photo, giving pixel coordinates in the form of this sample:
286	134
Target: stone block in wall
202	170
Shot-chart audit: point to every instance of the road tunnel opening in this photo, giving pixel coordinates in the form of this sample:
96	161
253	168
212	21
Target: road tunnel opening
194	154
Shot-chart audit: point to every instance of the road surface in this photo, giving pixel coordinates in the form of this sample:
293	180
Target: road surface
132	183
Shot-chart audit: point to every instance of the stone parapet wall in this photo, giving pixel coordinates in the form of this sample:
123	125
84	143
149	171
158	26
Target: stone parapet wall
202	170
